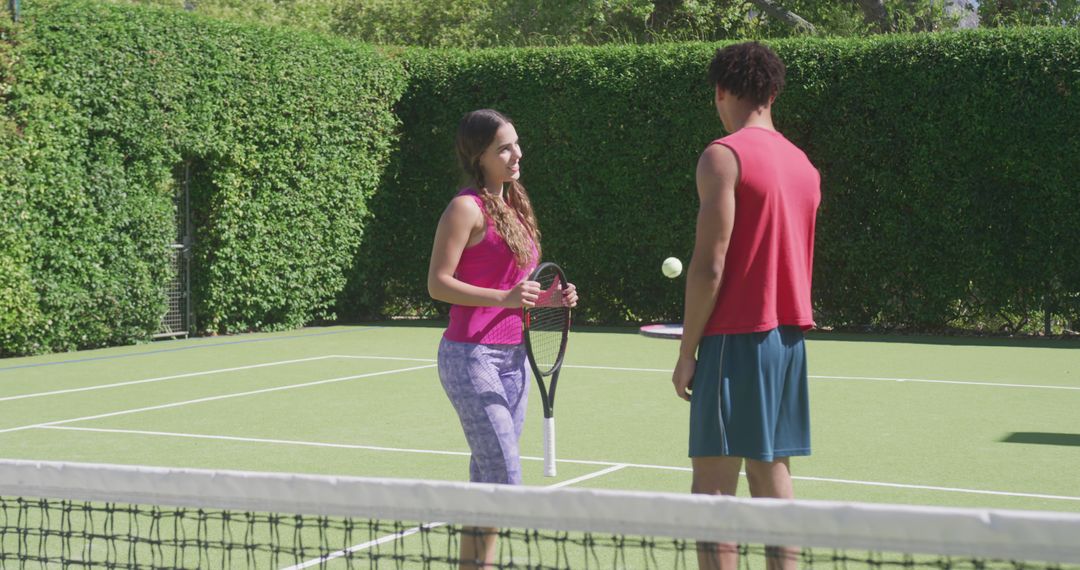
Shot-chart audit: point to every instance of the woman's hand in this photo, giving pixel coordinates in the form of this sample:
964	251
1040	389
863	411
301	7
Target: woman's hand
524	294
570	296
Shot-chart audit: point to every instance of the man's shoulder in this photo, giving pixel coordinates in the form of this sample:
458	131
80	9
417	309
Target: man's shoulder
717	171
754	141
750	132
718	156
738	142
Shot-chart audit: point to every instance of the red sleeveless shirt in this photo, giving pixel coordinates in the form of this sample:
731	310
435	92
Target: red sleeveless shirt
770	258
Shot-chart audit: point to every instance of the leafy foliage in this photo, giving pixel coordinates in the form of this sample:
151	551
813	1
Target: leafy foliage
999	13
946	158
520	23
287	134
319	169
19	318
502	23
311	15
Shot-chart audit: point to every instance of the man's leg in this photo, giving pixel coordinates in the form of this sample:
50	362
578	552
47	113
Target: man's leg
773	479
717	475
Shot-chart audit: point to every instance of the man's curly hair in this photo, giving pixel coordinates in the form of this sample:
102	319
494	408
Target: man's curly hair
749	71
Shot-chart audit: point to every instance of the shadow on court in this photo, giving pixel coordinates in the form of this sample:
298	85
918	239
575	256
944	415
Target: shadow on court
1072	342
1043	438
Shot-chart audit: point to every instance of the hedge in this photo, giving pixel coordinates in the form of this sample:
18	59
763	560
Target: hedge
319	168
18	301
285	134
948	163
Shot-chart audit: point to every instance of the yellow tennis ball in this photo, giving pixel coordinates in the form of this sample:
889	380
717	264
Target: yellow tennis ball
672	267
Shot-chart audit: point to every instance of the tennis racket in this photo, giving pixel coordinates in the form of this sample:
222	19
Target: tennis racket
546	328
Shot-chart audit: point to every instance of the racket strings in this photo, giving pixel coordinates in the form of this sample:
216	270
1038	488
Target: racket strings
548	320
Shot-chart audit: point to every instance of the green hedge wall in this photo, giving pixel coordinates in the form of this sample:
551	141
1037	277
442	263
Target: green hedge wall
285	135
609	172
319	169
948	162
18	301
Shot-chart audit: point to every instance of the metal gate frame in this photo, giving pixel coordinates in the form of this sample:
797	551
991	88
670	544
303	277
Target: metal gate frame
179	320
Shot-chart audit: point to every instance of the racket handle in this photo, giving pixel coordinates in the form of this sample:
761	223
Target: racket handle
549	447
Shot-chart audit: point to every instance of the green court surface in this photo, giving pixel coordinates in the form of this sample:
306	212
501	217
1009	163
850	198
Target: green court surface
948	422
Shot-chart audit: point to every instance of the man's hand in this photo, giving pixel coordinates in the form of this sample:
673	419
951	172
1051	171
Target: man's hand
683	376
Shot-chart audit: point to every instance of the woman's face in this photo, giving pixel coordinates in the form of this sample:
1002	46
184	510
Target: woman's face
501	162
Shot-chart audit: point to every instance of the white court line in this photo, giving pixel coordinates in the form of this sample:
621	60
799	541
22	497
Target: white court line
339	445
203	373
216	398
262	440
593	475
812	376
382	358
962	382
612	368
618	368
364	546
935	488
867	378
584	367
161	378
409	532
609	464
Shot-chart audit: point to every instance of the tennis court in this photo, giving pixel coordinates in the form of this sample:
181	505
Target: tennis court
913	421
947	422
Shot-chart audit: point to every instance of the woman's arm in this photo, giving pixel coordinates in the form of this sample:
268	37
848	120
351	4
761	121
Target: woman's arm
457	224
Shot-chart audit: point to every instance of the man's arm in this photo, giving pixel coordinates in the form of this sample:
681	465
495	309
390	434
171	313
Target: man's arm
717	176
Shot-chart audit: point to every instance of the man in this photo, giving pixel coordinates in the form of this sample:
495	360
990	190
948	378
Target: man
742	362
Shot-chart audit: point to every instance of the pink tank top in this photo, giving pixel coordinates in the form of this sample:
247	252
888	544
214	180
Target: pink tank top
770	259
488	264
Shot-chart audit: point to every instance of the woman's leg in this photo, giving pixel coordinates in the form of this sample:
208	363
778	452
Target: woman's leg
486	391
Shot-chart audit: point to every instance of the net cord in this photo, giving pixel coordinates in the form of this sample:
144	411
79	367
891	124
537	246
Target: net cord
985	533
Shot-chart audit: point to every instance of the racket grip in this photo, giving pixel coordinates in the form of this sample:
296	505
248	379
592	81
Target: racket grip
549	447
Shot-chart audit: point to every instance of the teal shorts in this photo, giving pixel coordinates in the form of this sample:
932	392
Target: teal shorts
750	396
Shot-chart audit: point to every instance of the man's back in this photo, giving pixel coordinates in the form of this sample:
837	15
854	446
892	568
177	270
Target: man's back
768	267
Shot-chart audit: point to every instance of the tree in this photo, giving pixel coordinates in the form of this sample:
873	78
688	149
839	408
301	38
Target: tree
875	13
483	23
488	23
786	16
997	13
314	15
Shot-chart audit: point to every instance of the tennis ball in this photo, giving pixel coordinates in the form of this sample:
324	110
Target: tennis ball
672	267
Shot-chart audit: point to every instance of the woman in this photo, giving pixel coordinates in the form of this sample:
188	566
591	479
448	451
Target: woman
486	245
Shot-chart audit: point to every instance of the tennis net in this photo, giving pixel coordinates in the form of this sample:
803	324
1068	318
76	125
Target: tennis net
71	515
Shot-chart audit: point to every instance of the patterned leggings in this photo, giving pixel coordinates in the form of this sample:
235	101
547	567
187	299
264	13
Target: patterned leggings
488	386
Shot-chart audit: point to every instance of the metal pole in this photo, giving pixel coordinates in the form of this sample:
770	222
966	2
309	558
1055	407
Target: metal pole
1048	316
189	309
14	5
